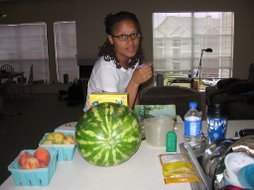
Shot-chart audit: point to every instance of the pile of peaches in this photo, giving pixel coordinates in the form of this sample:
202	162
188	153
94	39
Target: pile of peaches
41	156
39	159
58	138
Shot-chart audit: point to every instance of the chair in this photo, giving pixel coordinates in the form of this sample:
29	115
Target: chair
6	79
6	69
6	84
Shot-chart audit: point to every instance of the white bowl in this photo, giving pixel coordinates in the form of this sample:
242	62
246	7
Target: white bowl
230	181
235	161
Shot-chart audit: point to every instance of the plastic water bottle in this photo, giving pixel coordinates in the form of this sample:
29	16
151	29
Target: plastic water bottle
193	126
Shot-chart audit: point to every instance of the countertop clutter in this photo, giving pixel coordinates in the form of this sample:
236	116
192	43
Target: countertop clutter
142	171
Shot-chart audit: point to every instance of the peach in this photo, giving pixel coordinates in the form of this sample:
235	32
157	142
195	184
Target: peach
58	137
22	157
50	136
31	163
43	156
47	142
69	139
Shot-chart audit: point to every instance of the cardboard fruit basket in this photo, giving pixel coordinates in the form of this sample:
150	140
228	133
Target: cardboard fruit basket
65	151
69	128
33	177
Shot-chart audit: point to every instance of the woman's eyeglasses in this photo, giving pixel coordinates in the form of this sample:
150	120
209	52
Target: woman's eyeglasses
125	37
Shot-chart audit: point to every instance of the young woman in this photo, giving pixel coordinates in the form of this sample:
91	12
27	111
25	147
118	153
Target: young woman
118	68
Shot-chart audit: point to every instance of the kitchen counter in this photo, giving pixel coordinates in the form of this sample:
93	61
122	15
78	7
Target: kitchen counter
141	171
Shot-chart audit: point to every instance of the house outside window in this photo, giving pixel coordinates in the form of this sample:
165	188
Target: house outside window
184	36
25	45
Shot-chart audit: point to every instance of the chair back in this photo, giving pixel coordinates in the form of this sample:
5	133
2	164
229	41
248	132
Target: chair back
6	69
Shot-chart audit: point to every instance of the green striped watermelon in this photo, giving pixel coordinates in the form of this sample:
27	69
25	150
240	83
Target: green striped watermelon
108	134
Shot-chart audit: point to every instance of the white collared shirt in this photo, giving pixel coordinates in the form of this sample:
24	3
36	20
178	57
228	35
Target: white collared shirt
105	77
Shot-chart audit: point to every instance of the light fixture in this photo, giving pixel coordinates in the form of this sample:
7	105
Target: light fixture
199	71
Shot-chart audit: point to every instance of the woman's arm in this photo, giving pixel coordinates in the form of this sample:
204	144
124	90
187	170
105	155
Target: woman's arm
140	76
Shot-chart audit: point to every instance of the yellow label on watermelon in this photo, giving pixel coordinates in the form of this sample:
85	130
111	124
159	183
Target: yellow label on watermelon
102	97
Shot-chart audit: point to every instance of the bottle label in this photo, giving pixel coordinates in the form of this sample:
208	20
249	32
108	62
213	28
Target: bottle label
192	128
216	128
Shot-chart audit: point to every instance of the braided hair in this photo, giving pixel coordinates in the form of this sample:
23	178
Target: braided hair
107	49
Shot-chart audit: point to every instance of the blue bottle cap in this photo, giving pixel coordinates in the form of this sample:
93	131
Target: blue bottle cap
193	105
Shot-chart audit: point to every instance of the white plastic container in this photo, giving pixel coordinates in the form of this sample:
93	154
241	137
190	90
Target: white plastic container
156	129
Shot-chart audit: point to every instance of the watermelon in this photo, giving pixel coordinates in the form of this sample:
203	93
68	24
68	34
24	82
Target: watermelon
108	134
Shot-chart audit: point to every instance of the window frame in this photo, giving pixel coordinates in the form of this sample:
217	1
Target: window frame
65	54
195	46
26	50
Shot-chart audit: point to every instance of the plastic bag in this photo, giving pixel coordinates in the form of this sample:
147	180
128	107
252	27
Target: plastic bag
177	169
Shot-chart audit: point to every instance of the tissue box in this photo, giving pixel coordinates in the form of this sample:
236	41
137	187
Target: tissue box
102	97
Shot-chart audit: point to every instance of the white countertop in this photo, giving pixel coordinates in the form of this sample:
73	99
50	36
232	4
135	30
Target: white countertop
141	171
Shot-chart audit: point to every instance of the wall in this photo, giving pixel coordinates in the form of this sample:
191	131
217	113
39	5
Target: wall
49	11
89	16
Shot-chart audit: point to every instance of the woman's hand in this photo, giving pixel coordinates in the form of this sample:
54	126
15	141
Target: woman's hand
142	74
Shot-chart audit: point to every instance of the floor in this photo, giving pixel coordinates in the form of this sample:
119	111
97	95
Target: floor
38	114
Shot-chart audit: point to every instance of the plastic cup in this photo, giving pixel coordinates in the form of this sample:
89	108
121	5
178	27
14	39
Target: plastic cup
156	129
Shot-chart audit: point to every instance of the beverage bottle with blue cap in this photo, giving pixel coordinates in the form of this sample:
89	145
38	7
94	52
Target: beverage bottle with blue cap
216	122
193	126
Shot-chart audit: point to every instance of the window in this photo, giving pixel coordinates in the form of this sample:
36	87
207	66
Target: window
184	35
66	50
24	45
176	43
